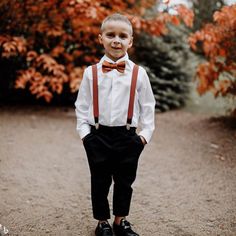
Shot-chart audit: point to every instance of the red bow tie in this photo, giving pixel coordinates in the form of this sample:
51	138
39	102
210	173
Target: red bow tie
107	66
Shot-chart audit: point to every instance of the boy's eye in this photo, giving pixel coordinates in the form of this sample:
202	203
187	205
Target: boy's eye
110	35
123	36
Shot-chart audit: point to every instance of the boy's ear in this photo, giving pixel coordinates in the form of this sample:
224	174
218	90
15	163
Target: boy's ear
100	38
131	42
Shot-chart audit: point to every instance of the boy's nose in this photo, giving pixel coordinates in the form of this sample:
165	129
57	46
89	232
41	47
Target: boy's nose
116	40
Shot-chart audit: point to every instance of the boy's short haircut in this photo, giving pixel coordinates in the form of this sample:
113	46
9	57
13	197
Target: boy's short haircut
117	17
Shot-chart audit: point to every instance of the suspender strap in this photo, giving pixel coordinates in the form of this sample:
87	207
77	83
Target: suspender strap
131	98
132	95
95	95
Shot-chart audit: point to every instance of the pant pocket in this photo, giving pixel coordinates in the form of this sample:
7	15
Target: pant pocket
87	137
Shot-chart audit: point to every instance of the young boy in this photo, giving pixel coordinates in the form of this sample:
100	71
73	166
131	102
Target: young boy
111	91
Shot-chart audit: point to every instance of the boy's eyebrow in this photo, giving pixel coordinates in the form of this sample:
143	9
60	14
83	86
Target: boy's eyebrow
113	32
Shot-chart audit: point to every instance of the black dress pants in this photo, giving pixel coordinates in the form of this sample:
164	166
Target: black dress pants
113	154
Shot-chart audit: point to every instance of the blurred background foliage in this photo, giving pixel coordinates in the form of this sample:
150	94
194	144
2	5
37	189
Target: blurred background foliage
45	46
166	61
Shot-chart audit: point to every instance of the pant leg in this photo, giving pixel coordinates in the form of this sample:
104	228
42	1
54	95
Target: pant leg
127	151
98	153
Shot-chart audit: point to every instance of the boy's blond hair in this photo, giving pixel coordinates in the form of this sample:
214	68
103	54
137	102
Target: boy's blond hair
117	17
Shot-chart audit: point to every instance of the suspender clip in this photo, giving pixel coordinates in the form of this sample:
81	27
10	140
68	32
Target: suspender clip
128	126
97	125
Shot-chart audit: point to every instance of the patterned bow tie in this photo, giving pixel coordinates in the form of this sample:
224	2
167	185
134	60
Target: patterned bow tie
107	66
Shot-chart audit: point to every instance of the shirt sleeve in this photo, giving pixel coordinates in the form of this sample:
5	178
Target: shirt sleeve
147	107
82	106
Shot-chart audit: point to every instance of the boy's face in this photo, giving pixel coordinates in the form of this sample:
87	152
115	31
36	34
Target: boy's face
116	38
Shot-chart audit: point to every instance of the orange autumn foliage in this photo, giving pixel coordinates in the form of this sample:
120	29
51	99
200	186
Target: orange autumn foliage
217	42
56	39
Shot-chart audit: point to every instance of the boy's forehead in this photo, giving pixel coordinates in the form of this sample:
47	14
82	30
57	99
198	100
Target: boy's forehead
116	24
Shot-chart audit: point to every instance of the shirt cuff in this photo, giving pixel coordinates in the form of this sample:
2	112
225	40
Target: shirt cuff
147	134
84	130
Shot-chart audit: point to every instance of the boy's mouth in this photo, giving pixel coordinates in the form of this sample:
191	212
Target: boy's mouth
116	48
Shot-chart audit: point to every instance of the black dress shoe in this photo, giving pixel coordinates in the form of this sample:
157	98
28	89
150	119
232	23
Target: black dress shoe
124	229
103	229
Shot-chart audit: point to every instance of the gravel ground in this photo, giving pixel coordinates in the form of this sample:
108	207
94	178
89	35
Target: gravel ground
186	182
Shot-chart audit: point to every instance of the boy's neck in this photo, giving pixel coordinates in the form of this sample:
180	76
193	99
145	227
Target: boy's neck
112	59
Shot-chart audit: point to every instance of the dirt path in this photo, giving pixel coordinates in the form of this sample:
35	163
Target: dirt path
186	183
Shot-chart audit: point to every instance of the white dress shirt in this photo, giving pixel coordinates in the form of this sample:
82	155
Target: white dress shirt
113	99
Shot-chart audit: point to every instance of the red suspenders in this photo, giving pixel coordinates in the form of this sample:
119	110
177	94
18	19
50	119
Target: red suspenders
95	95
131	98
132	95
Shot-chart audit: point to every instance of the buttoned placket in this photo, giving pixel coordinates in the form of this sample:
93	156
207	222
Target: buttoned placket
116	92
114	75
